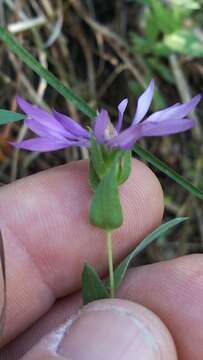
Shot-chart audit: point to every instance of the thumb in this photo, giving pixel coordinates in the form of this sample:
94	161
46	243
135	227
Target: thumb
109	329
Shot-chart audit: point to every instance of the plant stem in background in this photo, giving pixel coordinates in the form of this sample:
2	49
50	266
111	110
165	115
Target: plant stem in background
110	263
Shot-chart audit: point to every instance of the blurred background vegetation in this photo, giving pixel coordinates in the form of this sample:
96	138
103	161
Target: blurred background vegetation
104	51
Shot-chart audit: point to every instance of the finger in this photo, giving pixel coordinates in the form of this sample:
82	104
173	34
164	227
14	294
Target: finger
109	329
174	291
60	312
44	220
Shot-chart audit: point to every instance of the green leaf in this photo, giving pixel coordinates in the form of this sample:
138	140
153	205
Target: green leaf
92	286
105	209
97	159
93	178
184	42
120	271
151	26
29	60
147	156
9	116
125	165
188	5
163	16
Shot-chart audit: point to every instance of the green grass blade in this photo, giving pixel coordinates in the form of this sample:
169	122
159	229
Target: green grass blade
120	271
153	160
9	116
29	60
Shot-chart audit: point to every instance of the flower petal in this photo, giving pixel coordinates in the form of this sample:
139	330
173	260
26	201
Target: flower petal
100	125
157	116
71	125
143	104
43	144
175	112
126	139
42	130
40	115
40	144
121	110
166	127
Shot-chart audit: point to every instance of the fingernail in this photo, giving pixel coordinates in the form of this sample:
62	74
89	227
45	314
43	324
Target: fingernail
47	347
116	329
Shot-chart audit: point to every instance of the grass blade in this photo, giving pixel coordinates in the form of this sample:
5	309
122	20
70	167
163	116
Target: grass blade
120	271
161	166
29	60
9	116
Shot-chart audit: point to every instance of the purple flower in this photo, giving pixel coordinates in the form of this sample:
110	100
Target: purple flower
57	131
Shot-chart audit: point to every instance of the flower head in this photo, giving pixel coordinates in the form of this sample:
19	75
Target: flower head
57	131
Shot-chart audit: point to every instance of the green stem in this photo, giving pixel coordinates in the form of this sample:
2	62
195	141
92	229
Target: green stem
110	262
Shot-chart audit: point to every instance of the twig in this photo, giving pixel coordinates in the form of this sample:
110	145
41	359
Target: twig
27	24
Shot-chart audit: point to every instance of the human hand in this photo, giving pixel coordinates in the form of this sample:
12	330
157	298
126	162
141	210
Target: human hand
47	238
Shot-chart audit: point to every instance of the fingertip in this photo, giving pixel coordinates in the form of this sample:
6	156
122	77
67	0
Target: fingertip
113	329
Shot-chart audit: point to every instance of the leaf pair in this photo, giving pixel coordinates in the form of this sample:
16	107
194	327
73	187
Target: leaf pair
92	286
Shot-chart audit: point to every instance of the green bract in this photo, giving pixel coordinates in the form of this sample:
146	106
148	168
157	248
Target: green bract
107	170
105	209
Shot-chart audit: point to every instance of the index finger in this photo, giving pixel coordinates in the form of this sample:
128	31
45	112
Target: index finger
44	221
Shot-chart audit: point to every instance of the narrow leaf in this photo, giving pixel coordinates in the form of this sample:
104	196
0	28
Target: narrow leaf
120	271
125	165
9	116
92	286
96	157
146	155
105	209
93	178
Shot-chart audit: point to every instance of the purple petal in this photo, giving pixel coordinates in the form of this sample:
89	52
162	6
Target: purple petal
71	125
176	111
143	104
40	115
121	110
166	127
100	125
40	144
126	139
157	116
42	130
43	144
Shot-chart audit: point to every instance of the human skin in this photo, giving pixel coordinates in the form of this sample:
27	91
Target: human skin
47	239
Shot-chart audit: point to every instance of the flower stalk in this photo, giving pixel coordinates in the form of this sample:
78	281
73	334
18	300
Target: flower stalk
110	263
